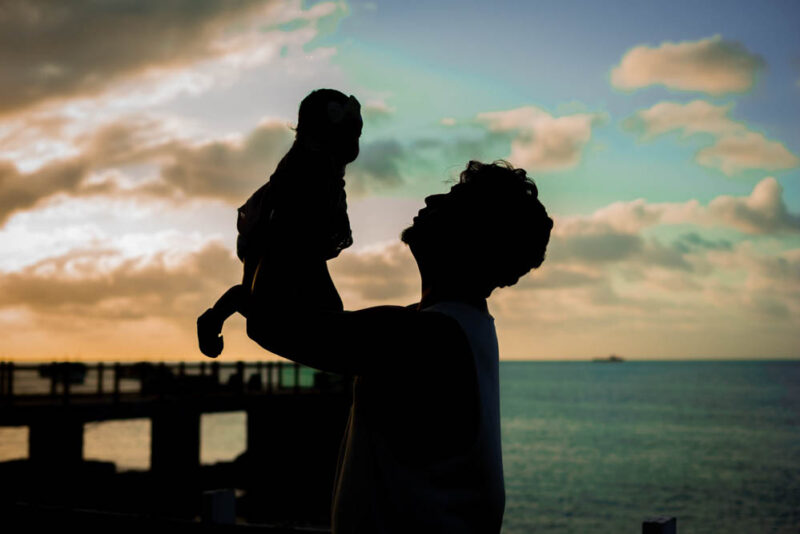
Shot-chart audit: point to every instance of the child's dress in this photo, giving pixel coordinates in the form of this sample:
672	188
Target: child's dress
302	206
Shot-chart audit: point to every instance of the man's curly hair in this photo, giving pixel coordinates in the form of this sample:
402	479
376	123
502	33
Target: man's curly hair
507	226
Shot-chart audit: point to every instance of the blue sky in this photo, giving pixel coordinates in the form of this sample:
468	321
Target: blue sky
663	138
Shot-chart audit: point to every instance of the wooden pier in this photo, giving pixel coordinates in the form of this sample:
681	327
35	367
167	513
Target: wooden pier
295	420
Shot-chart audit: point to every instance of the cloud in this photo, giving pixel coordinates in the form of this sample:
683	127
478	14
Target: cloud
560	277
596	247
58	50
541	141
735	148
624	289
376	111
763	211
377	167
386	274
695	117
750	150
694	241
101	284
229	170
711	65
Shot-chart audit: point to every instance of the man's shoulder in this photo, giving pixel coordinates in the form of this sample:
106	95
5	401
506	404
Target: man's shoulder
433	338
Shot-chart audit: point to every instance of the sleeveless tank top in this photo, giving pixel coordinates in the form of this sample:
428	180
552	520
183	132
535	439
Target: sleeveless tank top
376	493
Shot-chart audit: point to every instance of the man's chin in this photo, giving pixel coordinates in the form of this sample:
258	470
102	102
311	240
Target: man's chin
407	235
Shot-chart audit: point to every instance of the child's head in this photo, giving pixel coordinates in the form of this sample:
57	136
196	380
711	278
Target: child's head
333	120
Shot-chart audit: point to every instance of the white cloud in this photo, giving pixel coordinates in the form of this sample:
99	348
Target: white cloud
697	116
376	110
711	65
763	211
540	140
751	150
735	148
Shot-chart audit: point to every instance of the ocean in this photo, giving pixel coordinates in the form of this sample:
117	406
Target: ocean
598	447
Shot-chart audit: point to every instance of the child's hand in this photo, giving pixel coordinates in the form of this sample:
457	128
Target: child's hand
209	327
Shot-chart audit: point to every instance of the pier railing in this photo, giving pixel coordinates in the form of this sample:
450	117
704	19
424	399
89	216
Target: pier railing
66	380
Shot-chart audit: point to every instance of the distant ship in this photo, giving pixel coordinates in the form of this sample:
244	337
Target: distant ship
609	359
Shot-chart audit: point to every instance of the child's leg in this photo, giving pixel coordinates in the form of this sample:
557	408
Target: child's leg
209	325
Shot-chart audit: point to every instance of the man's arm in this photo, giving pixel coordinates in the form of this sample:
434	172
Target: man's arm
286	315
368	341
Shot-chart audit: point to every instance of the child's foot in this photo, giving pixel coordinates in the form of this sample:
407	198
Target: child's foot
209	327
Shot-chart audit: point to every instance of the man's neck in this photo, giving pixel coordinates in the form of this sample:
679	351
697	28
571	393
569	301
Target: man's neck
434	295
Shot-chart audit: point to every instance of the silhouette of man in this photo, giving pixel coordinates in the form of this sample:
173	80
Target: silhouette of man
421	452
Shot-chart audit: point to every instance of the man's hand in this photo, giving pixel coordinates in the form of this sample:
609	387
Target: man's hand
209	326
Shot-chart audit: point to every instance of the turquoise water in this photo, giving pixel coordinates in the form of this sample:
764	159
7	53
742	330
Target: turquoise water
591	447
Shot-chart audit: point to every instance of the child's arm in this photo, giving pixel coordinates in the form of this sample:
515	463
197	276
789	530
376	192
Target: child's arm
209	325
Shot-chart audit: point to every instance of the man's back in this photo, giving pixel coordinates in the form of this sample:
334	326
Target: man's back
394	476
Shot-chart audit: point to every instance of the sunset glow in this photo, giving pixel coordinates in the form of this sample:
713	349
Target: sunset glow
664	141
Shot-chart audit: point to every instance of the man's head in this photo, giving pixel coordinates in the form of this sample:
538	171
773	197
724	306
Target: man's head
333	121
487	232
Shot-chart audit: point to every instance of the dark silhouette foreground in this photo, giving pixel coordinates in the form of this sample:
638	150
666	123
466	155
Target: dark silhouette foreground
421	452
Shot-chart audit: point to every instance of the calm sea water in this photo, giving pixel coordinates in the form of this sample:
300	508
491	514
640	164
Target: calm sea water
591	447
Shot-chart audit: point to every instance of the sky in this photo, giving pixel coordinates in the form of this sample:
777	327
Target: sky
663	138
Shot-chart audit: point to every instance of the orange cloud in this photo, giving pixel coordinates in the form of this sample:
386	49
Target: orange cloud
711	65
224	169
735	149
228	170
605	287
540	140
100	284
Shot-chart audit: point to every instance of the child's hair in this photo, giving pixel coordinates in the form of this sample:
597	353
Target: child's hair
323	110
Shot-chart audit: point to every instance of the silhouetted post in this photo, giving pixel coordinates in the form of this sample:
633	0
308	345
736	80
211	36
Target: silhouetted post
279	366
269	377
56	440
240	372
3	379
161	380
100	378
203	368
116	381
10	380
660	525
65	381
175	441
182	369
215	372
260	371
296	377
53	380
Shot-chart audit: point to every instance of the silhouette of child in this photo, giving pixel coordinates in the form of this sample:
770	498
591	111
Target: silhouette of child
300	215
